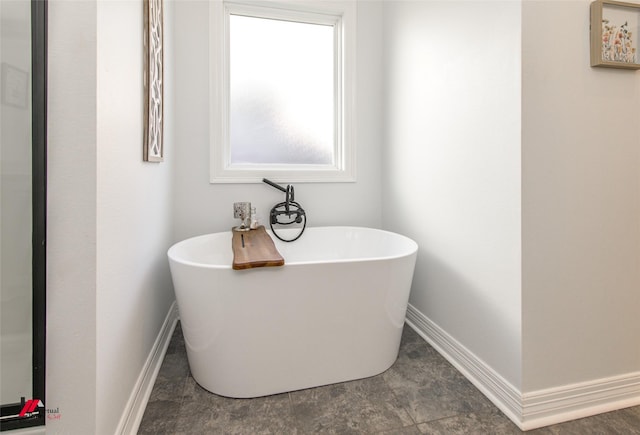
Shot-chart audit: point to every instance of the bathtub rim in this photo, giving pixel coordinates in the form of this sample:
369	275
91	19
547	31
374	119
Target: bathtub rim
412	244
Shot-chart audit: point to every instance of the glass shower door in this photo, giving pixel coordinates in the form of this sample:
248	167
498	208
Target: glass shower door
22	213
15	202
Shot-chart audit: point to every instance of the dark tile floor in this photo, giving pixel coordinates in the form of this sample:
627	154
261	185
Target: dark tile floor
420	394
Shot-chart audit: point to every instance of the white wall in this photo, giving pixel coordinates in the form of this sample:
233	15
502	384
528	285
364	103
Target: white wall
201	207
71	217
514	164
134	290
581	204
452	167
109	288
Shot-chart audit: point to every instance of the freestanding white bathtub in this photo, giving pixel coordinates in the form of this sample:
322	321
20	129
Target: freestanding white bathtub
334	312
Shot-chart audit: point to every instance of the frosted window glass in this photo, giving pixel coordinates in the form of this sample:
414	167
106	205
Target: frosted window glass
282	108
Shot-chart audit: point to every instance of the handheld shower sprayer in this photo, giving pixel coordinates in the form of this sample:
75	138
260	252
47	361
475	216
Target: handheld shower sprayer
288	212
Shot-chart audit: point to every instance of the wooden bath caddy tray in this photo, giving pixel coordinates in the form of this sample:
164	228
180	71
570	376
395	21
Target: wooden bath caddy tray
254	248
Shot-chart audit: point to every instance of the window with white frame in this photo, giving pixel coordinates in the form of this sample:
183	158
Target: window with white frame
282	91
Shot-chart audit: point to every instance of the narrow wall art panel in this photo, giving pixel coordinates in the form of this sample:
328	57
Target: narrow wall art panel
153	81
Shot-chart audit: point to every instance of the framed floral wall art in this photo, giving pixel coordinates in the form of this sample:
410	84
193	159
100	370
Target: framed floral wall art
615	28
153	81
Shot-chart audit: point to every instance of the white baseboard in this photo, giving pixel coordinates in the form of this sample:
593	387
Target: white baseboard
535	409
504	395
134	410
570	402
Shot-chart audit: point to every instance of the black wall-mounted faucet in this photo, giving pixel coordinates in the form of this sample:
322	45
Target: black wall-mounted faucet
290	208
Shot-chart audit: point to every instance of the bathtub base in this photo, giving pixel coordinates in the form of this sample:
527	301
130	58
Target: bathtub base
265	374
269	339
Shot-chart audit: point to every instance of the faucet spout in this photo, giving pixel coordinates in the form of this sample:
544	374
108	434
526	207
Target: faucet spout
272	184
